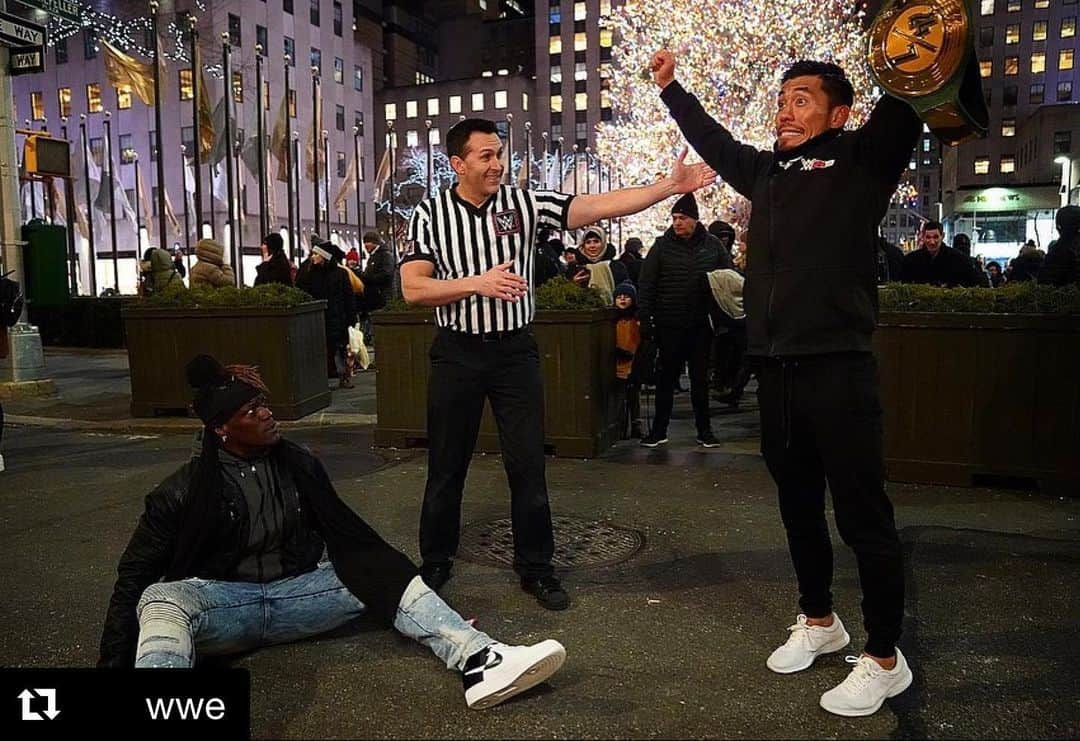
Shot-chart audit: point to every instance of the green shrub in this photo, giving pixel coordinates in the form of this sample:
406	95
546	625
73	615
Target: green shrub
558	293
270	295
1014	298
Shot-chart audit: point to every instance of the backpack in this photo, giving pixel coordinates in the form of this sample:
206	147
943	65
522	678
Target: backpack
11	302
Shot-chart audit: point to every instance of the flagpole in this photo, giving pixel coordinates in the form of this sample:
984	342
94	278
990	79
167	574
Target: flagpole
588	170
546	179
112	203
356	177
296	167
138	213
196	67
260	129
427	125
507	176
230	180
528	154
558	162
89	205
69	197
393	204
326	181
315	141
293	231
574	150
157	123
187	218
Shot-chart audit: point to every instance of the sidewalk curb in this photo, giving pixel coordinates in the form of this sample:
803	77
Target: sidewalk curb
174	425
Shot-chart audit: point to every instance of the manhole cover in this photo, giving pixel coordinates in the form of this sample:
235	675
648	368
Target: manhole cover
578	543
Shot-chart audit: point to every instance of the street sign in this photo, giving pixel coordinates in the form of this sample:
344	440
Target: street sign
14	31
27	60
66	9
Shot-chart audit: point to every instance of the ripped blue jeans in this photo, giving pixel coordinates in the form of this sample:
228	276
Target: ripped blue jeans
179	621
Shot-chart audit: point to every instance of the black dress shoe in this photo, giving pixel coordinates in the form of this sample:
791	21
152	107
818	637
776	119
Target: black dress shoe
548	592
435	575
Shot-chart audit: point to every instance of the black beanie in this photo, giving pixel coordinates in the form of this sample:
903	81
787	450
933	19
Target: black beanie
218	393
687	206
274	243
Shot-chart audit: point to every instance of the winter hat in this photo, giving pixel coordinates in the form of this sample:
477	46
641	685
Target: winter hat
372	238
274	243
721	229
220	391
634	246
352	255
687	206
626	288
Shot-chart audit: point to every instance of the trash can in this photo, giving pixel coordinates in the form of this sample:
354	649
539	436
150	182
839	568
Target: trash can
45	264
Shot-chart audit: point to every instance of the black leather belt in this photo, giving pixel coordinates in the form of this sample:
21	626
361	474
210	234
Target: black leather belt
495	336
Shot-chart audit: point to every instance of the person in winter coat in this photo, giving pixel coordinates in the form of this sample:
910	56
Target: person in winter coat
178	261
632	259
1062	264
674	310
227	557
818	196
937	263
325	280
211	270
594	266
627	341
158	271
275	266
378	274
890	261
1026	265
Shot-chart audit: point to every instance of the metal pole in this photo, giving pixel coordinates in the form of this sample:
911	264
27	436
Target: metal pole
296	166
558	163
546	179
293	239
260	141
187	216
138	214
112	202
574	149
315	142
69	213
528	154
588	170
427	125
393	203
326	181
196	67
89	205
230	180
157	124
357	172
508	176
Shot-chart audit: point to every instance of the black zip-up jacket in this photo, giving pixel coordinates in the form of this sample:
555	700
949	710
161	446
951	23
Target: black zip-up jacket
673	290
811	274
378	276
315	515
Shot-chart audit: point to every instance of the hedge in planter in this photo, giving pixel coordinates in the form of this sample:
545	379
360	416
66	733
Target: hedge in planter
981	381
278	328
576	337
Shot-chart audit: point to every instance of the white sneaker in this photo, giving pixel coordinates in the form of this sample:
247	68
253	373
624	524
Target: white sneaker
499	672
806	643
867	687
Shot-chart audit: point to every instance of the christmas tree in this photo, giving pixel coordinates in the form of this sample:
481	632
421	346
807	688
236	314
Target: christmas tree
731	54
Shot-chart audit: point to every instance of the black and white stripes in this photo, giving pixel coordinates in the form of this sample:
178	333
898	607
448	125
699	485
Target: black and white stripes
462	240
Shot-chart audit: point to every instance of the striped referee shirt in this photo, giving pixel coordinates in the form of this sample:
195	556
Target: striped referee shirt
461	240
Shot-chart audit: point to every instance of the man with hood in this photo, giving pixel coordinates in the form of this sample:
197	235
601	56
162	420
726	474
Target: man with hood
275	267
325	280
211	270
227	557
674	310
1062	264
596	267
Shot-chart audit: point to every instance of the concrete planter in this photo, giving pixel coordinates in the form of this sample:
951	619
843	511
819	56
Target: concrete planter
971	394
577	356
288	345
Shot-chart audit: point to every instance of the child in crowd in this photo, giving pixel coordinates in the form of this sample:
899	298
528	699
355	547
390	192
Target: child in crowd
627	340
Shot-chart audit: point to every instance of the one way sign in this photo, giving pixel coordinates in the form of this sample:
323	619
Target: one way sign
14	31
27	60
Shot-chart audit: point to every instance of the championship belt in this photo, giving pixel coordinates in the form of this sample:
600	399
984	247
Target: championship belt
922	52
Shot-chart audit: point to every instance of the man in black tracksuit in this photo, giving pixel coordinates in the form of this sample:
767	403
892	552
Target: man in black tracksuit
674	296
811	305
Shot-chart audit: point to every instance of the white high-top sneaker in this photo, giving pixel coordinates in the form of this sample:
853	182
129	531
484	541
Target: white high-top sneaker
867	687
499	671
806	643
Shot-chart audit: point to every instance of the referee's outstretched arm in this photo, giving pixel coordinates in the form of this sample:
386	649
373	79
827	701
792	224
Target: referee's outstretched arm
588	209
420	286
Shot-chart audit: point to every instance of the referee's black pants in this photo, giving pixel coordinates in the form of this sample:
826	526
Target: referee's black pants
821	422
464	371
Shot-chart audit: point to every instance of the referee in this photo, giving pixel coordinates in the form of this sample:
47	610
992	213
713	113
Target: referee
472	257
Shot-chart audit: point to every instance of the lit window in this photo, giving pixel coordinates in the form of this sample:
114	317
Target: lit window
605	99
500	100
1037	93
581	102
1008	163
433	106
391	111
292	104
580	11
37	105
1012	33
605	38
455	104
478	101
986	67
1013	6
411	139
605	7
358	78
127	151
986	7
556	75
1038	61
982	165
1064	91
1008	127
238	86
1068	27
410	109
186	90
524	101
926	145
123	97
1012	66
581	72
556	104
436	139
580	42
1065	59
339	70
555	45
1042	3
93	98
1038	31
63	97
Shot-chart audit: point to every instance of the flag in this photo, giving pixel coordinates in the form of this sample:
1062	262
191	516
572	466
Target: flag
59	202
217	152
220	182
279	140
314	156
125	71
382	176
523	172
206	120
146	205
271	196
102	202
348	185
170	215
